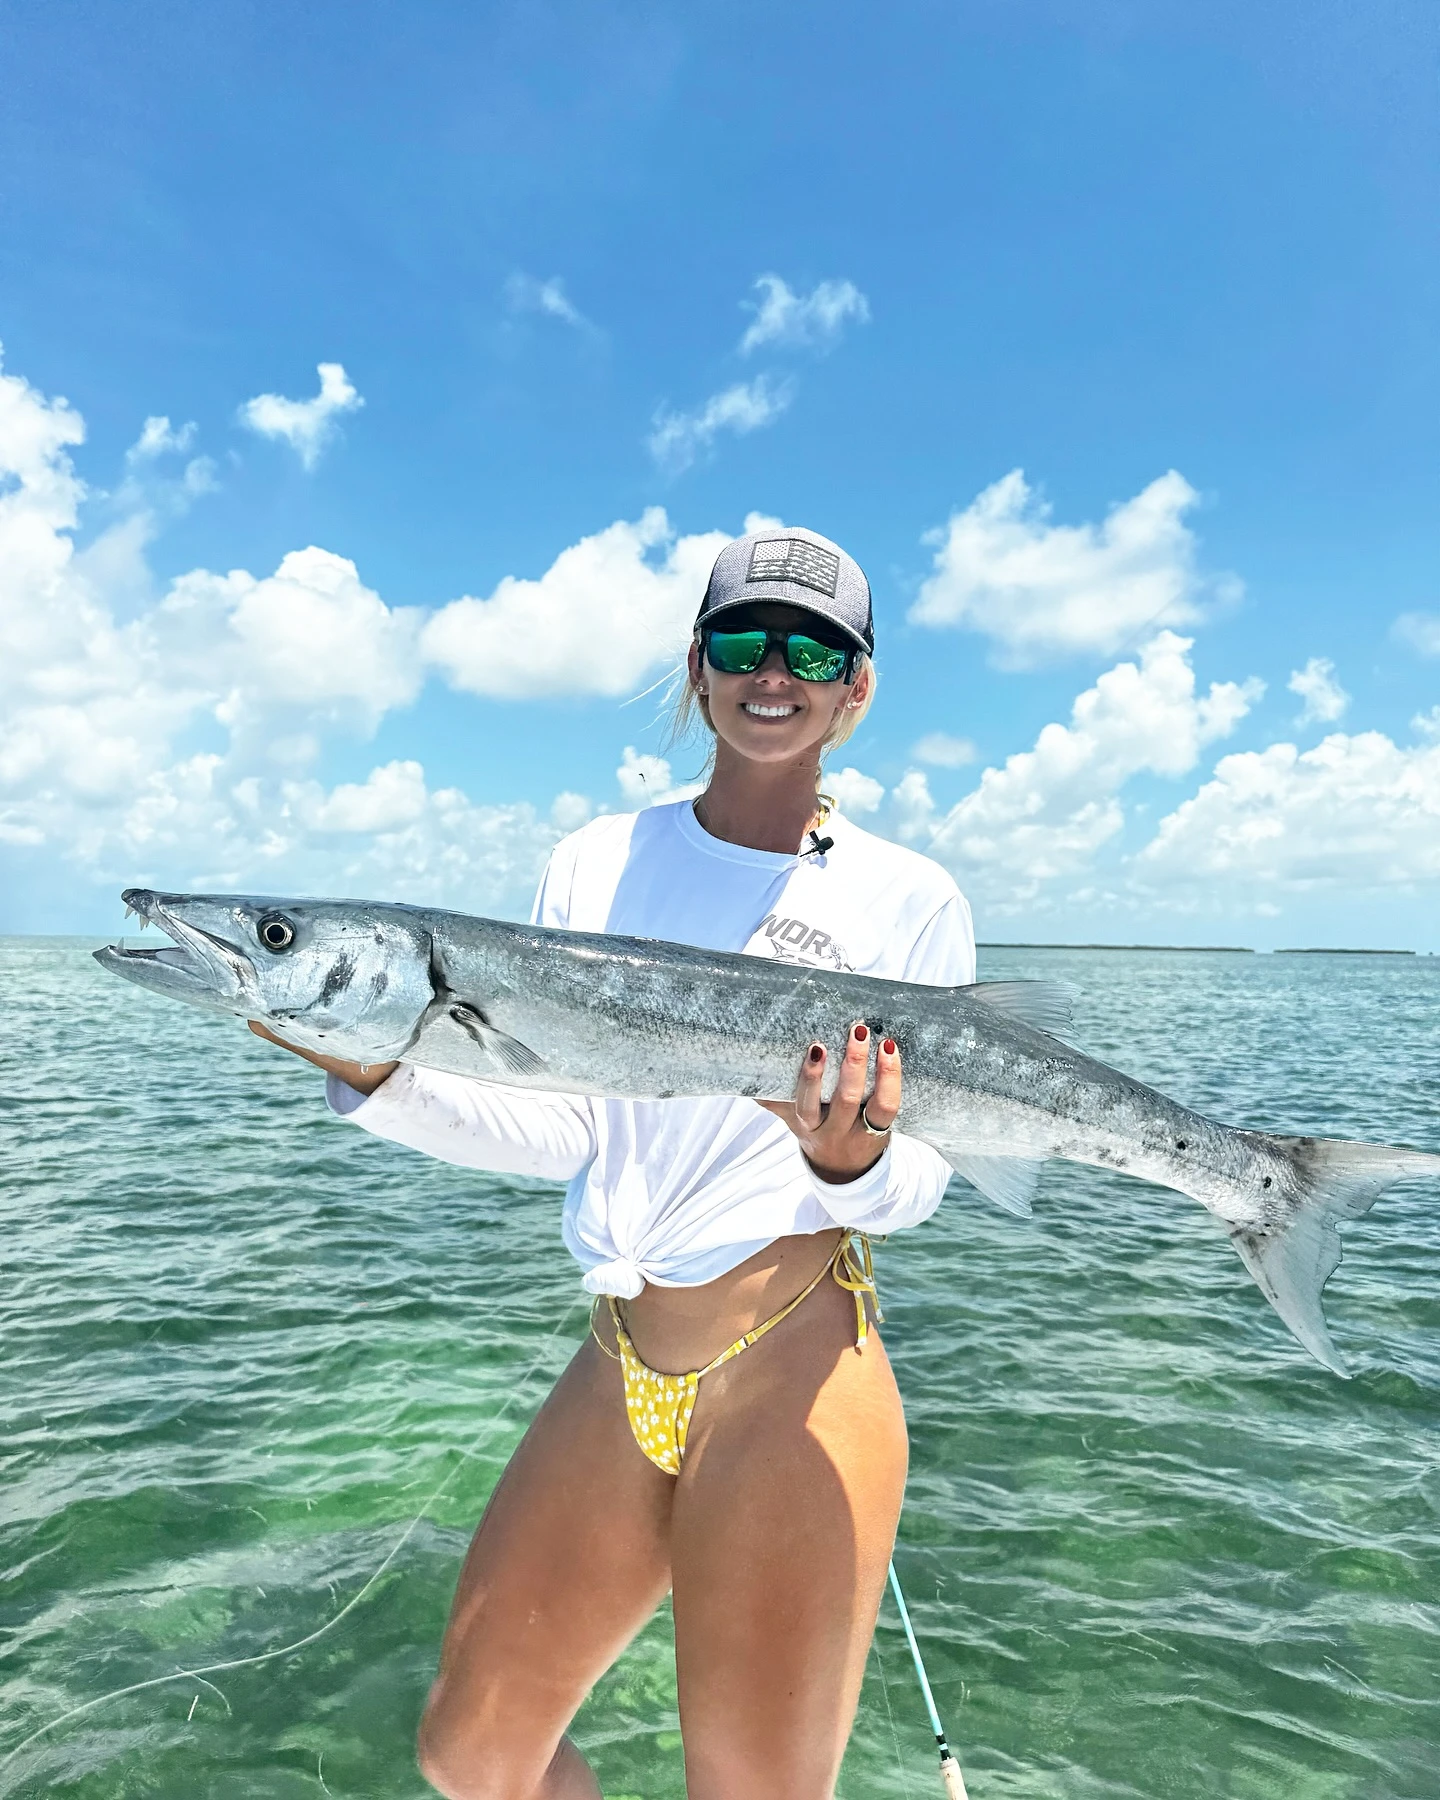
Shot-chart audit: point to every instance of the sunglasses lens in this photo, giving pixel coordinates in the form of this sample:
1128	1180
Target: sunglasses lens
810	660
736	652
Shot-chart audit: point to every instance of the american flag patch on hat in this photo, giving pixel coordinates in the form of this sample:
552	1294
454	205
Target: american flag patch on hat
792	559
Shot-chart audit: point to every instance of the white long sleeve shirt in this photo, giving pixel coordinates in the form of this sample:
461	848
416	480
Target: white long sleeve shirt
677	1192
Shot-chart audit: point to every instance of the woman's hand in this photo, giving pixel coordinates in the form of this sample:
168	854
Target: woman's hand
364	1078
833	1135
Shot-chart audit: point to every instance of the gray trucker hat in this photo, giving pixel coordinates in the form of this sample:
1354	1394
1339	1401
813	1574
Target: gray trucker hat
796	566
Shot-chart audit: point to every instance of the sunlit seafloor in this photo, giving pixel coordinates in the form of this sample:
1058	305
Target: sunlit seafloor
1151	1549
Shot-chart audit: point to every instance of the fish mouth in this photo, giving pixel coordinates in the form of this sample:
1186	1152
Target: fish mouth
194	965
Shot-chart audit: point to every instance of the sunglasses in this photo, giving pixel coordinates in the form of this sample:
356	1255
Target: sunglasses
807	659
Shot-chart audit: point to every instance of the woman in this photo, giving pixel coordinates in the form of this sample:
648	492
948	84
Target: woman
731	1430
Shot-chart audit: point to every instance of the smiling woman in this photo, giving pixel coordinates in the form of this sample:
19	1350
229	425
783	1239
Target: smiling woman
725	1238
815	647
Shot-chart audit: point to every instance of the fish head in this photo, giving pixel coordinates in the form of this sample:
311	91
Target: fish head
347	978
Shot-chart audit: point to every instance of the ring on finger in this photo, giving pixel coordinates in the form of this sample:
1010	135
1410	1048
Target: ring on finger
873	1130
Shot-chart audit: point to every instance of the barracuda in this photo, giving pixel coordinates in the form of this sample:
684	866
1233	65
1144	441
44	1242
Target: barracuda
986	1080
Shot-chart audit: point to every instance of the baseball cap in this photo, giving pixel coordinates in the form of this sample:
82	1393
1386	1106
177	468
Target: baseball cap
799	567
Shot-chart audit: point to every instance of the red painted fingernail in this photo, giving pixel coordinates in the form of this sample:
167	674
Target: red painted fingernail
817	1053
889	1046
861	1034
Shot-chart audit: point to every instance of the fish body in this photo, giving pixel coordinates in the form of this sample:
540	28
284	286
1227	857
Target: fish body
987	1081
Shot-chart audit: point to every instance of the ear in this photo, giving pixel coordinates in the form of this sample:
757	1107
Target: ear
692	663
860	690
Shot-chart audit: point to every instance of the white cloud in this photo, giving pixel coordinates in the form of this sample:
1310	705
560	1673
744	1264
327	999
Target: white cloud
310	636
912	807
175	739
81	709
1356	810
1048	810
679	438
1325	699
527	294
646	780
853	792
1427	725
147	494
306	425
813	321
1040	590
40	497
389	837
177	743
608	611
390	797
942	751
157	438
1421	631
569	811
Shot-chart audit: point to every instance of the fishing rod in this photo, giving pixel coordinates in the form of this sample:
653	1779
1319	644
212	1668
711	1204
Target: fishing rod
950	1772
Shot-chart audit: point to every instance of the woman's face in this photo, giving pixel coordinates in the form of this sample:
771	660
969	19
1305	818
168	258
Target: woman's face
769	715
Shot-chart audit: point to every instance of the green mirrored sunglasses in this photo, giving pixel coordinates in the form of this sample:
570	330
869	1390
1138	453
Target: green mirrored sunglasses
807	659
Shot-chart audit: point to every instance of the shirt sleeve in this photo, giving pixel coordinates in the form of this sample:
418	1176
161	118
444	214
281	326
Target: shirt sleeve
552	898
514	1131
903	1188
943	955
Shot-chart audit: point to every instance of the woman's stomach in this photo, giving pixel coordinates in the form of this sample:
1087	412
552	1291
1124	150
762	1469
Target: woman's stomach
677	1329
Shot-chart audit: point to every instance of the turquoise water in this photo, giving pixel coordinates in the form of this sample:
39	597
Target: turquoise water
1151	1549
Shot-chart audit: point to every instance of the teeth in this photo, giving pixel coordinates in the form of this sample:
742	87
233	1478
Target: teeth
769	712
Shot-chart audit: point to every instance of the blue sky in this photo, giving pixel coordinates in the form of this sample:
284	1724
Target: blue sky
1094	244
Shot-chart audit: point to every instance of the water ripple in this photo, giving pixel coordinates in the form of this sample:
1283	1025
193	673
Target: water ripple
1150	1548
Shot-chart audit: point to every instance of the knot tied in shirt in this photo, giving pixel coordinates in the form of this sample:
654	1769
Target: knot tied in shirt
619	1277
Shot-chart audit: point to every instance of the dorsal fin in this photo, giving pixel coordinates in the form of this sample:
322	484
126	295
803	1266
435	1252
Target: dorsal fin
1045	1005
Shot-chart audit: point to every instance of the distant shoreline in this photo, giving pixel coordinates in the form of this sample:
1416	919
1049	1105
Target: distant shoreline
1196	949
1319	952
1203	949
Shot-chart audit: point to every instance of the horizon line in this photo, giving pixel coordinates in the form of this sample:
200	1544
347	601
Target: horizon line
1209	949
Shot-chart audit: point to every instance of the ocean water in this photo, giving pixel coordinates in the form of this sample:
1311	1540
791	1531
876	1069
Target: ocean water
1150	1548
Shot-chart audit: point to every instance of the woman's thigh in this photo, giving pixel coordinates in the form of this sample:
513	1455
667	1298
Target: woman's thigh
569	1561
781	1532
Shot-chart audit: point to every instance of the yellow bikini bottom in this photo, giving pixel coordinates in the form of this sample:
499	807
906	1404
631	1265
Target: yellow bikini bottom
659	1406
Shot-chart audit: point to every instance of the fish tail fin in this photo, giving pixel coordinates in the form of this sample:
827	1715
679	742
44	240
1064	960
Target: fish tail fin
1333	1180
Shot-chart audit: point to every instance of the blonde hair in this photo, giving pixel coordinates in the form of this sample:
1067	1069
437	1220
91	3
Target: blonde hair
689	712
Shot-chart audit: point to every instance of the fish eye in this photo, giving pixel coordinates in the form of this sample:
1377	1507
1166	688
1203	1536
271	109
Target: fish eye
275	932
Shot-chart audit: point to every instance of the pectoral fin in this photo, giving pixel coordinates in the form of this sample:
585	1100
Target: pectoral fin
510	1054
1009	1181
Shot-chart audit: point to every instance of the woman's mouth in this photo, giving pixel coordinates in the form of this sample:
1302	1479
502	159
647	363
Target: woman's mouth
758	711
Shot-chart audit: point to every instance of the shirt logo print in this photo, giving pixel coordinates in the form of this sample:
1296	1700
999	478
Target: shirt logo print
796	941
